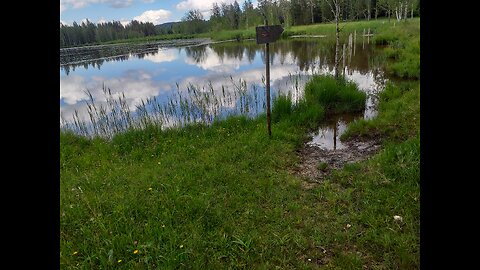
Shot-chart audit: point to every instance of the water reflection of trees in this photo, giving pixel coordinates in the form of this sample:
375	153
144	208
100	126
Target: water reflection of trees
236	50
197	53
96	63
95	57
306	53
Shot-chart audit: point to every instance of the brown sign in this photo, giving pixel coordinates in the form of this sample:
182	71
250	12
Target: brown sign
268	33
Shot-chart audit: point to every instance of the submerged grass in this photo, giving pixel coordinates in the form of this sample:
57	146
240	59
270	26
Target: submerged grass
222	196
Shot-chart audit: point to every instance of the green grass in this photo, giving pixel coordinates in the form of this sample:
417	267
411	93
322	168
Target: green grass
398	115
231	34
322	166
223	196
376	27
323	95
399	109
403	49
337	96
206	189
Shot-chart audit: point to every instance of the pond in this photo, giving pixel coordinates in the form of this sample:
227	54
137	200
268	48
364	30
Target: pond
103	89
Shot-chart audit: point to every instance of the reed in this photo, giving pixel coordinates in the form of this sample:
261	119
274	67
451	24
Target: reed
194	104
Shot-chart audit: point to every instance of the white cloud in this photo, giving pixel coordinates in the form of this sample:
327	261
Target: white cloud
124	22
218	64
71	89
136	85
162	56
148	1
119	3
202	5
154	16
66	4
63	7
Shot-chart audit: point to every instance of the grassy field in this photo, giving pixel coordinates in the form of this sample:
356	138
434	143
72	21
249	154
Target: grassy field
224	196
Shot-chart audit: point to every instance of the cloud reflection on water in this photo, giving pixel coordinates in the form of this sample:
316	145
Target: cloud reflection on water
216	65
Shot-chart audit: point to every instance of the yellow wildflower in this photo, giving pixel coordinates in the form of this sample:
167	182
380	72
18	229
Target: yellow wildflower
75	252
135	251
119	261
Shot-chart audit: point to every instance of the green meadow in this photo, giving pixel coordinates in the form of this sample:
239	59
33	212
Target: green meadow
224	196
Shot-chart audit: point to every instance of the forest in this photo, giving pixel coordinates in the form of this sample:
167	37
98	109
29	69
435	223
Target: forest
238	16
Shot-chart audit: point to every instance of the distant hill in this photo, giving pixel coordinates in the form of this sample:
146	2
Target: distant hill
165	27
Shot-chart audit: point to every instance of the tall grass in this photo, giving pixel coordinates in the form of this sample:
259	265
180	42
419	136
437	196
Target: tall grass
206	105
196	104
336	95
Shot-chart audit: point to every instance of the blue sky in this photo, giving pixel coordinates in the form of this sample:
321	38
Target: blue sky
155	11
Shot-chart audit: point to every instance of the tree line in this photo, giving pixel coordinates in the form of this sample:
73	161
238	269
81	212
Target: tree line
90	33
236	16
291	12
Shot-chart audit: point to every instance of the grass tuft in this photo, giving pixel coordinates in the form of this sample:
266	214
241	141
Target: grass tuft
337	96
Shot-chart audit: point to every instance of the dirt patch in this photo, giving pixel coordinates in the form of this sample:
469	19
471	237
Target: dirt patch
316	163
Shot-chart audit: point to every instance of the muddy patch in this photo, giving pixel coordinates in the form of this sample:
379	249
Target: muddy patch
316	162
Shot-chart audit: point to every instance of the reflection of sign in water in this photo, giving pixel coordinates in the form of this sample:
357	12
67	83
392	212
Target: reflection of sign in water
268	33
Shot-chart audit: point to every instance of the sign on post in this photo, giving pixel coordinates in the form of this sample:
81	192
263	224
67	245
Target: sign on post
265	35
268	33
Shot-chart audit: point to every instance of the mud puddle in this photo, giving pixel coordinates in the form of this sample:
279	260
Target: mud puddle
324	152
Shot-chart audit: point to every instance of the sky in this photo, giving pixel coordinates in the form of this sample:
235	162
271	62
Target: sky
154	11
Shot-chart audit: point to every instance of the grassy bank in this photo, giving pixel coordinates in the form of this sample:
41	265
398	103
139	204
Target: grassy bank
327	29
388	29
223	196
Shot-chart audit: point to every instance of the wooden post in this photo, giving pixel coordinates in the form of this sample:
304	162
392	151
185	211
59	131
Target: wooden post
267	75
266	34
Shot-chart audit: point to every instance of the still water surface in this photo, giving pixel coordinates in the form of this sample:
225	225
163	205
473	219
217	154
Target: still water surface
232	71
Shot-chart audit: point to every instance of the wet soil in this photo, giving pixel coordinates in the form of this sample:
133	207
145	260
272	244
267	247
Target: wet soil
311	156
